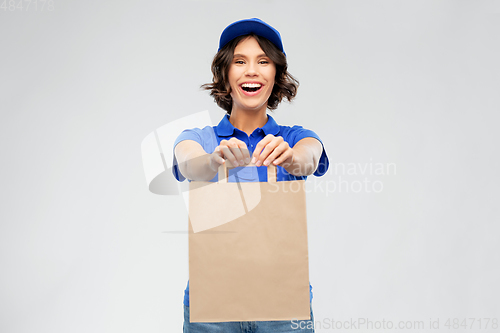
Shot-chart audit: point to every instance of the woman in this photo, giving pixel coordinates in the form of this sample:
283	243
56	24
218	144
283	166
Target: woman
249	76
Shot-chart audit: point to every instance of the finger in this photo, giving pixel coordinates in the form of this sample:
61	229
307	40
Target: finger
243	149
216	159
260	146
270	147
228	155
246	153
237	155
241	153
217	155
285	156
277	152
236	146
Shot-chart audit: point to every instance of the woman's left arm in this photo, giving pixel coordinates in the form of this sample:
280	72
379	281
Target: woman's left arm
301	160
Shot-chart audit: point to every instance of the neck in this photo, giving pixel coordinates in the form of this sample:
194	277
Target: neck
248	121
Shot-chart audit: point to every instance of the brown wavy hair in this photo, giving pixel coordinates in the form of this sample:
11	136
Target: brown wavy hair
285	85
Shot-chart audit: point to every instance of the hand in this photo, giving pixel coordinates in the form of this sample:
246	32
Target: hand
234	150
272	149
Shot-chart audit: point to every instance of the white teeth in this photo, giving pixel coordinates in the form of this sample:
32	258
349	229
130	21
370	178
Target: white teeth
251	85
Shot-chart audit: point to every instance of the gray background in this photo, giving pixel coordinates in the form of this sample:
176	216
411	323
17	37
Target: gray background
84	246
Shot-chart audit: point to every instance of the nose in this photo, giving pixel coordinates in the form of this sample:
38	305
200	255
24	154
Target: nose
251	69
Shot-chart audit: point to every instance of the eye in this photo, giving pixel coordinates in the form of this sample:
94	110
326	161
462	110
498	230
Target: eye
263	62
241	62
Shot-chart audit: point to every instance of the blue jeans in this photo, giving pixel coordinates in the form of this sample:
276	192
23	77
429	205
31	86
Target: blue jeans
285	326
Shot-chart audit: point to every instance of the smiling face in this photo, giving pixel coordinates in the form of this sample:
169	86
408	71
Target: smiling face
251	77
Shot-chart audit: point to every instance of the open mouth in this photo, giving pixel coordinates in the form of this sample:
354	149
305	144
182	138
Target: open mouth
251	87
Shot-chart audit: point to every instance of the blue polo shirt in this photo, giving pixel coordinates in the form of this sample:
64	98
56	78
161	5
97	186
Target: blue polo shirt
210	137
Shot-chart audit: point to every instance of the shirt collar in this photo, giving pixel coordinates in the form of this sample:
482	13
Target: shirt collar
225	128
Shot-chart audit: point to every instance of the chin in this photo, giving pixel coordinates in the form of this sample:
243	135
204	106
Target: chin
253	109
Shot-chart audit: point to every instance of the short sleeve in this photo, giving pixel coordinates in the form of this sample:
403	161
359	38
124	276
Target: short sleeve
298	133
205	137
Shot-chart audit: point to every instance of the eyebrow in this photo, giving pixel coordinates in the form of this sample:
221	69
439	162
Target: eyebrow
243	56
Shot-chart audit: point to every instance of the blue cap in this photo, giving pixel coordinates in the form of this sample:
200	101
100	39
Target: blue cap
255	25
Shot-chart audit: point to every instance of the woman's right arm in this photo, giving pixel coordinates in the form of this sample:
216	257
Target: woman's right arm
195	164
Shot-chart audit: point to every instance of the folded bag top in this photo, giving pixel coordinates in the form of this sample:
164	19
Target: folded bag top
223	171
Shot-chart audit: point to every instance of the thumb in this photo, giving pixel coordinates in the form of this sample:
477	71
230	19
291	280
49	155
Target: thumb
217	156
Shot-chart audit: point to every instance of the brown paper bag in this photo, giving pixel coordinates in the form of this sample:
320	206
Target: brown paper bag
248	253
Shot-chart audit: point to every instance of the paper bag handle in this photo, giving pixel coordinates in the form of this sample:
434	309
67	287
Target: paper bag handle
271	171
